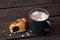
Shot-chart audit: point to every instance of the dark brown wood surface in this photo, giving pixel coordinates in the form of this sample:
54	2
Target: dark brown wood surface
55	28
10	10
10	14
54	20
51	37
14	3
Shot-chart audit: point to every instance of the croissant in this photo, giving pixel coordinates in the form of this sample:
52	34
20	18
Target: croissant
18	26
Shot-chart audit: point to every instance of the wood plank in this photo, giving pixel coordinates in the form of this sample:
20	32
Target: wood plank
13	3
14	13
55	27
4	27
51	37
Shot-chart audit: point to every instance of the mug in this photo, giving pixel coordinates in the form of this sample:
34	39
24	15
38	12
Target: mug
39	21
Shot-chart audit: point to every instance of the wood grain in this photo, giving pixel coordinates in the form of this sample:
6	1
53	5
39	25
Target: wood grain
51	37
55	27
4	27
10	10
14	13
14	3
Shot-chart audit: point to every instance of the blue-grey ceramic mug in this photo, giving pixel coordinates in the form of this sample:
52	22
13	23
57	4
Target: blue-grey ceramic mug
39	27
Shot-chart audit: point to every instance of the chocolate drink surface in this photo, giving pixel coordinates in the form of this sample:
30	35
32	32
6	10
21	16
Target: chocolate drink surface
39	16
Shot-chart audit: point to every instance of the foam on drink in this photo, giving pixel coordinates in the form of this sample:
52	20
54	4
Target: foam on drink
39	16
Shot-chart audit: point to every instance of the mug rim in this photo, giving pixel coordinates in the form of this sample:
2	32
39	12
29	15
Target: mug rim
31	11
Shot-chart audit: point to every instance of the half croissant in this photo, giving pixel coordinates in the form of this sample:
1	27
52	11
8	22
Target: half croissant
18	26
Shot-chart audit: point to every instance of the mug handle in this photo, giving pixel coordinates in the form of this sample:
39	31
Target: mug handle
49	23
46	29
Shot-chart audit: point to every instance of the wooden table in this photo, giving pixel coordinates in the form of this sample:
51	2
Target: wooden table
10	10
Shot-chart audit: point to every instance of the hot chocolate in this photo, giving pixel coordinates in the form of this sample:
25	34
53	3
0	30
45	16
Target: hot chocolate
39	16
